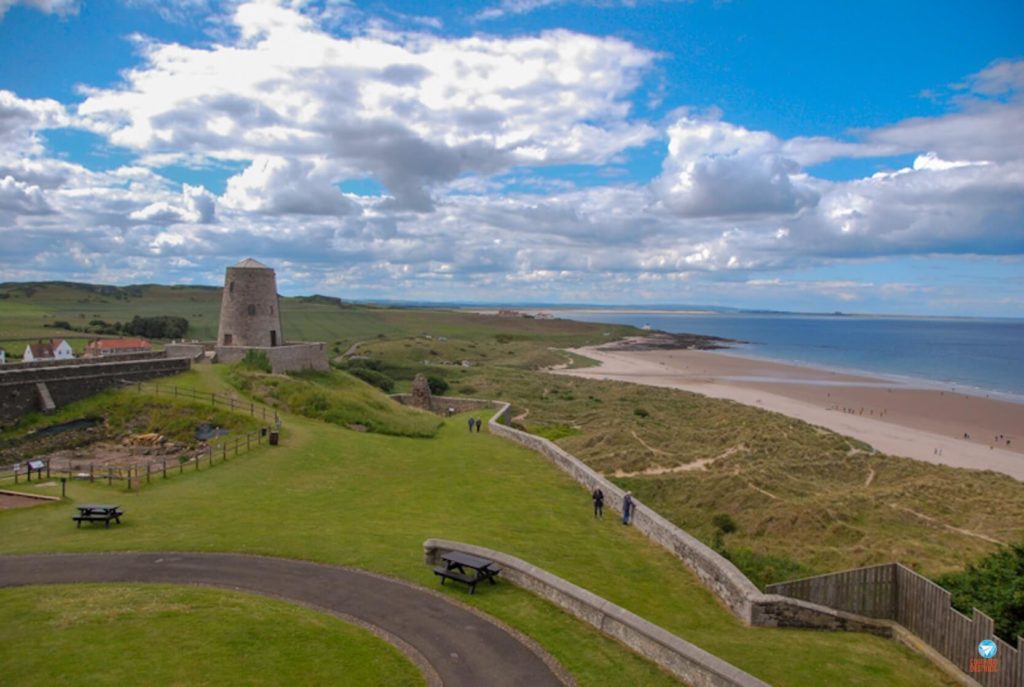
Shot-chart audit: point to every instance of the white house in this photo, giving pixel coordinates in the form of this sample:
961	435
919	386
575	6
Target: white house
56	349
3	356
62	349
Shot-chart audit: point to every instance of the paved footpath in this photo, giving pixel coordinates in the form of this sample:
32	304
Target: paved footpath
460	648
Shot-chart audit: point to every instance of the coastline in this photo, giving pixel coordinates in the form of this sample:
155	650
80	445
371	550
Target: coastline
898	418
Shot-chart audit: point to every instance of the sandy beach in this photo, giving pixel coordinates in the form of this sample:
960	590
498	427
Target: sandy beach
930	424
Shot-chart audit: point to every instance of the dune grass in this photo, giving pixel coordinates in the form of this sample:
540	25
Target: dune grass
113	635
369	501
806	500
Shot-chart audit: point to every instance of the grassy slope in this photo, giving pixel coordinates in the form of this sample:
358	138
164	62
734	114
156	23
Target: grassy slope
340	399
369	501
140	634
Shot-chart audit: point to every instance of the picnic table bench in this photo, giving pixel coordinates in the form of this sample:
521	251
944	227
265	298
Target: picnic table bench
457	566
94	512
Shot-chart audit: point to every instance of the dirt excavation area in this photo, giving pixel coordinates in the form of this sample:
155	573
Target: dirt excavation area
132	450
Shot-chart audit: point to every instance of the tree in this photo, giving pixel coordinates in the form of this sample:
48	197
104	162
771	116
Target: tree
994	585
159	327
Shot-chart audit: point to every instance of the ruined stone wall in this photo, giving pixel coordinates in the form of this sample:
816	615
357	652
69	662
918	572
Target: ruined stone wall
441	404
19	393
291	358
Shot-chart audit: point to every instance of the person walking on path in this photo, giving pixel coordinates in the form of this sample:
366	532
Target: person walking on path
471	423
598	497
478	423
627	507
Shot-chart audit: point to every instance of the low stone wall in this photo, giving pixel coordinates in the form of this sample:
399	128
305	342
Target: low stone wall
724	579
19	393
291	357
690	663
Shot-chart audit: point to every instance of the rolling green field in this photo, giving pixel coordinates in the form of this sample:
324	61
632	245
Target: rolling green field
369	501
176	635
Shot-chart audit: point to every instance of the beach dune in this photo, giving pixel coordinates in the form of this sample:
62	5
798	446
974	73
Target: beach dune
945	426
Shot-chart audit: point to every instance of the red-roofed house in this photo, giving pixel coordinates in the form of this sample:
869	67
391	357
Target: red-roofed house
102	347
55	349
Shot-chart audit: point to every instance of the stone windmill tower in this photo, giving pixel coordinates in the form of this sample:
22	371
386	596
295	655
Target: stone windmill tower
249	310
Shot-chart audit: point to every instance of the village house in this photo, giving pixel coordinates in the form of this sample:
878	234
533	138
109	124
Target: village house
103	347
55	349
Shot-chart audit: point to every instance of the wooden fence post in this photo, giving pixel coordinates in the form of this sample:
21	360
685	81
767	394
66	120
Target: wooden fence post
129	478
92	472
165	468
148	465
110	476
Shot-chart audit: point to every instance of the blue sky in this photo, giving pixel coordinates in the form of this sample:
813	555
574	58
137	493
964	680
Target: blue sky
864	157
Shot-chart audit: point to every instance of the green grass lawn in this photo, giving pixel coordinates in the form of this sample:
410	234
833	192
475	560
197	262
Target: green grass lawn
368	501
115	635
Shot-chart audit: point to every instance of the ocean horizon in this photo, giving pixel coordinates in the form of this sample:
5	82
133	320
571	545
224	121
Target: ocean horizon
983	356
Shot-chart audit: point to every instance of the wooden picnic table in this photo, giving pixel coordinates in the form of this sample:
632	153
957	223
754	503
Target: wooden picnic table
466	568
98	512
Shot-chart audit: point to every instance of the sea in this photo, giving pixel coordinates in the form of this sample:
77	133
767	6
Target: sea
974	355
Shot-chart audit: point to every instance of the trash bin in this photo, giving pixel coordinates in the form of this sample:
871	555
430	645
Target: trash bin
273	437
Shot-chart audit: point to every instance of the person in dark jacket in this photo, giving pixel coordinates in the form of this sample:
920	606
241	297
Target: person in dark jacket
627	507
471	423
478	423
598	497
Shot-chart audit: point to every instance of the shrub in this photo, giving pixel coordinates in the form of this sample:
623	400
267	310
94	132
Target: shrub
257	361
724	523
640	412
371	376
765	569
437	385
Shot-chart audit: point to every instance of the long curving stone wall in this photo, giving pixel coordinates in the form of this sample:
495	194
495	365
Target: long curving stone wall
690	663
724	579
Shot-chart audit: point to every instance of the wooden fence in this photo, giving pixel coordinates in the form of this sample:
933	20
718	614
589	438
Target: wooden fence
894	592
138	474
234	404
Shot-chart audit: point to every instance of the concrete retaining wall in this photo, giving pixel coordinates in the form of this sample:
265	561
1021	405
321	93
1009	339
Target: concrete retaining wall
724	579
690	663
